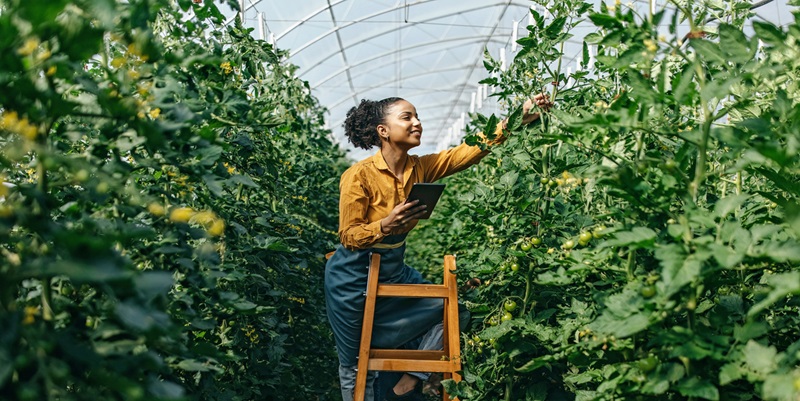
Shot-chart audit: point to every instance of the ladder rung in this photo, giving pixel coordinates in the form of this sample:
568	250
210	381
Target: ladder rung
412	290
428	355
403	365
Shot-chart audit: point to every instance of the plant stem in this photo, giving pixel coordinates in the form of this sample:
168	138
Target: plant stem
629	266
527	290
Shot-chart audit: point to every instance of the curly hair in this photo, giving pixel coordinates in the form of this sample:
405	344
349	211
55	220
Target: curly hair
361	121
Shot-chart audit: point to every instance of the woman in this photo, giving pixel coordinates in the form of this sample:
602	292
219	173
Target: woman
374	217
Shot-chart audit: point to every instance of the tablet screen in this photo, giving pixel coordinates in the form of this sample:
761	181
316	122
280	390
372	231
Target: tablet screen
428	194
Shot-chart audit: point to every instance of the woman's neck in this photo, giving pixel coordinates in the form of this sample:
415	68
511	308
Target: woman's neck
395	160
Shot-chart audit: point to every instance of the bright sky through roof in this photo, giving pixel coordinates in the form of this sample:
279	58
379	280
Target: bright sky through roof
429	52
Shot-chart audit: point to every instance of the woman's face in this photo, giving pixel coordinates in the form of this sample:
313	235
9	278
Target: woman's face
401	125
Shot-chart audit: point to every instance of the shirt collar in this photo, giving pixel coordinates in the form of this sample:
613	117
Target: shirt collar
380	163
377	160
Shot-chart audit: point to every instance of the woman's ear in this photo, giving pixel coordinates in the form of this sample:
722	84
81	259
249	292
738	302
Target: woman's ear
383	131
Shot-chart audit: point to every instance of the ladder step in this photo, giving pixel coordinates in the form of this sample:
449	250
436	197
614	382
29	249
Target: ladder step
403	365
427	355
412	290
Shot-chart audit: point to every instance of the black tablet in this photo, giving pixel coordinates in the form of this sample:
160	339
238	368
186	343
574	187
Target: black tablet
428	194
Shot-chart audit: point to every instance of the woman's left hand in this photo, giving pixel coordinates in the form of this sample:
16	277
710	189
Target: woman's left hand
541	101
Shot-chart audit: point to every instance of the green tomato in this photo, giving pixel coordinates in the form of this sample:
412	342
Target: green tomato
81	175
544	180
525	246
536	241
510	305
585	237
648	291
102	187
569	244
691	304
648	364
598	232
514	267
507	316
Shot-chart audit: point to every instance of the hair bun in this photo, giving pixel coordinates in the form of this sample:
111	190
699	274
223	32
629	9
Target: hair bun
361	123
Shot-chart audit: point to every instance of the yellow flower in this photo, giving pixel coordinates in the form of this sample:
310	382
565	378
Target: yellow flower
118	62
12	123
28	47
43	55
51	71
650	45
156	210
133	49
217	228
154	113
226	67
205	217
30	315
181	215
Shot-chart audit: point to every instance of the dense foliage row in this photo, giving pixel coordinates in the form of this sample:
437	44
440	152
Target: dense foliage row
642	241
168	192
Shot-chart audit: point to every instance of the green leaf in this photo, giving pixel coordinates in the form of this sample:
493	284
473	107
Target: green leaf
624	327
193	365
788	251
605	21
760	358
728	204
696	387
244	180
214	184
751	330
677	269
6	366
735	45
593	38
556	27
769	34
782	285
639	237
509	179
708	51
780	180
730	373
779	387
151	284
536	363
725	256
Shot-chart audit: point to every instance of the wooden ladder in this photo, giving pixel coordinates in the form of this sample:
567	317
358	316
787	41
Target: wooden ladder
446	361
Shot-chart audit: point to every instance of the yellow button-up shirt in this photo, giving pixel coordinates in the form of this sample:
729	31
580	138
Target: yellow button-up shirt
369	191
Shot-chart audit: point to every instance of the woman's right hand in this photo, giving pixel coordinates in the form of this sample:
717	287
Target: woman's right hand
401	215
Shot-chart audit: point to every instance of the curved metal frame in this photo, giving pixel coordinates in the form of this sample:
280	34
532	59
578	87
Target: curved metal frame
459	85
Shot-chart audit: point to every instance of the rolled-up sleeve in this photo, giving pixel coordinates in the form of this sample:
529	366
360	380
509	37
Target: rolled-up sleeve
355	230
453	160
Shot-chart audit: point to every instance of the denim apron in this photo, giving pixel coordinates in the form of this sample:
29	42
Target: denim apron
397	320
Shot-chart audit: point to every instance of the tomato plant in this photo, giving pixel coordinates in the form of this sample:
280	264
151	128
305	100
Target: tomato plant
673	151
160	226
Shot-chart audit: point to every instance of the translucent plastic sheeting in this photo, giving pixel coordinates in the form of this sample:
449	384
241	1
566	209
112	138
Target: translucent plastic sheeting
429	52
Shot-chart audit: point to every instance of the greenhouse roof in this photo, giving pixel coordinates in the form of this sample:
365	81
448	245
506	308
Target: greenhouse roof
429	52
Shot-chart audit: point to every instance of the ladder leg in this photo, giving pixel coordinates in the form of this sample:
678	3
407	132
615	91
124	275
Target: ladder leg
366	328
453	332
